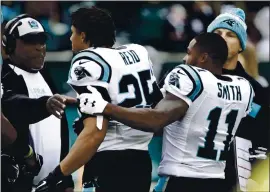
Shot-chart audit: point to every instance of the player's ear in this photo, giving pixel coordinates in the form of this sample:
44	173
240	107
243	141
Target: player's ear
204	57
83	36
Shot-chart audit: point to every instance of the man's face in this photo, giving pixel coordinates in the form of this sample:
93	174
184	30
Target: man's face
77	40
192	56
232	41
30	51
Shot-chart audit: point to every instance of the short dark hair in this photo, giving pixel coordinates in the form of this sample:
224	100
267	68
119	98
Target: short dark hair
97	24
214	45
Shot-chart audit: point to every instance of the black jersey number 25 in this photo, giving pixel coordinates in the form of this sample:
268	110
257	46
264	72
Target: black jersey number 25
140	95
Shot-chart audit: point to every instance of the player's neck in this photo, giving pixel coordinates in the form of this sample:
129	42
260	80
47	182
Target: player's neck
16	62
216	70
231	63
104	46
213	68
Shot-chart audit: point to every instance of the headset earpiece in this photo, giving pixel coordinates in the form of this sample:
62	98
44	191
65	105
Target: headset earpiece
8	39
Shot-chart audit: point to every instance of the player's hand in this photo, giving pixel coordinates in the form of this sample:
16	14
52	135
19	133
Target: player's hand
32	165
52	182
10	169
57	104
257	153
92	103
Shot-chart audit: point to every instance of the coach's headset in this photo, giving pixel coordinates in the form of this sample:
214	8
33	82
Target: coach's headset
9	37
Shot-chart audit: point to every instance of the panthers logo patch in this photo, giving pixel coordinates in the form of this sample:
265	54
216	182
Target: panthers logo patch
174	80
81	73
230	22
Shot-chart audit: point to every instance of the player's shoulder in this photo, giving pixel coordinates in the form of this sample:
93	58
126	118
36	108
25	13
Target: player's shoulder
90	54
193	73
239	80
110	54
132	46
184	80
245	85
205	74
139	49
88	65
136	47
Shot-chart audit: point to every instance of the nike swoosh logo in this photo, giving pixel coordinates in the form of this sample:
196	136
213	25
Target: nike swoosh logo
59	182
179	72
82	62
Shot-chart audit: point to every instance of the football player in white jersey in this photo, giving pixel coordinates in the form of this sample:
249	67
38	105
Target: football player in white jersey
124	76
202	109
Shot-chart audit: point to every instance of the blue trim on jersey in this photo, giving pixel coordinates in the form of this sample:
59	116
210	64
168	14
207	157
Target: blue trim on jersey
255	108
92	189
196	91
99	60
160	184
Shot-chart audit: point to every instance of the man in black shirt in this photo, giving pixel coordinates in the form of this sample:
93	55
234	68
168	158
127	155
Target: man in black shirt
232	27
28	101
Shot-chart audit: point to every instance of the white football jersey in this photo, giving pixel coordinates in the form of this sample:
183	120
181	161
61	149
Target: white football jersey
196	145
124	77
2	90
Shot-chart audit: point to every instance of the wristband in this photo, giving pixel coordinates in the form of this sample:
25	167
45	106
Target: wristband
30	153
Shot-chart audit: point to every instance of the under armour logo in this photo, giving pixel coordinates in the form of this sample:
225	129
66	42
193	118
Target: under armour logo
93	103
86	101
230	22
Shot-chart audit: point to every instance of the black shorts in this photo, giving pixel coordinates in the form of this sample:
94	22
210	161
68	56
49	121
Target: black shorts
121	171
186	184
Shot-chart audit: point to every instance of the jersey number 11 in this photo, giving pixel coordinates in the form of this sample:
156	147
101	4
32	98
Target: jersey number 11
208	150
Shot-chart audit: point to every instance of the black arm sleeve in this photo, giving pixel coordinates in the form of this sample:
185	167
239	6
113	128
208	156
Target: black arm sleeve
256	128
16	104
27	110
156	95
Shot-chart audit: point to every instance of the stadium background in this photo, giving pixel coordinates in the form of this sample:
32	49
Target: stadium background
164	28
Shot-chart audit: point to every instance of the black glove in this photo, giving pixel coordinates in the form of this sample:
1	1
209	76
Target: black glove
67	182
32	171
10	169
78	125
53	182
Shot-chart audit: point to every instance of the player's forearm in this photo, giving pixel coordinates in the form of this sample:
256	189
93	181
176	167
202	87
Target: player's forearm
82	151
31	110
149	120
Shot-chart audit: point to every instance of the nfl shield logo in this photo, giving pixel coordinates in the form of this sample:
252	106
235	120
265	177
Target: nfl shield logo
33	24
